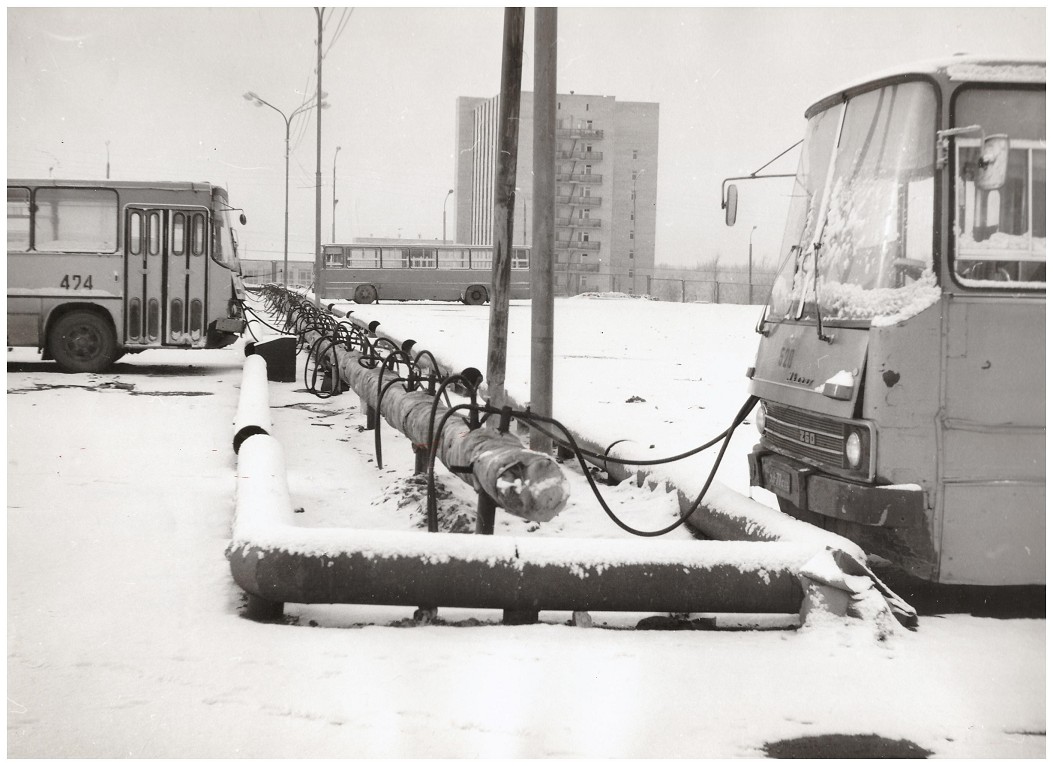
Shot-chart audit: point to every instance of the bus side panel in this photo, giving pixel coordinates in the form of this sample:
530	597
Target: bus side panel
1000	541
901	397
24	327
993	441
37	283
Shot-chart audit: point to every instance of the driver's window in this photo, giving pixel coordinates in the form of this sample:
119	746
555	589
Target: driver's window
1000	233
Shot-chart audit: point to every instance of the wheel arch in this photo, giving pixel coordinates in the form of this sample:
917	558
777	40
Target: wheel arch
62	309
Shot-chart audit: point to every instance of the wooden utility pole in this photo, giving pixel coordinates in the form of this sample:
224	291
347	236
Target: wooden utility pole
504	214
504	201
542	270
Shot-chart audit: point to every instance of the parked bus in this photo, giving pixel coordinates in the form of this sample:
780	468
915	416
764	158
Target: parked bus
98	269
901	364
367	273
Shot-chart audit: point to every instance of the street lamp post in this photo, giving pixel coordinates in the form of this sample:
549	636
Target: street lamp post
334	192
445	200
749	268
250	96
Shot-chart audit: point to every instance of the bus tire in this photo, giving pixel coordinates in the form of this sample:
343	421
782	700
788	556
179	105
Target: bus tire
82	341
475	295
365	294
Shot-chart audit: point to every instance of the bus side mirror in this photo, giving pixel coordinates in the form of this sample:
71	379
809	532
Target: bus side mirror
731	205
243	219
993	162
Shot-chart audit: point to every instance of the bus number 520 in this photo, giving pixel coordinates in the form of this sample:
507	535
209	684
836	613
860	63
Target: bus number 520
75	282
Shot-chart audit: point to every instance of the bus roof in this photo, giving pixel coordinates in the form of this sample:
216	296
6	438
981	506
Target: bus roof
961	68
161	185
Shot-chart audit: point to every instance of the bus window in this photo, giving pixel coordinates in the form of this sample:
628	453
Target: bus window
1001	233
334	257
520	258
197	234
482	259
456	258
363	258
135	233
76	220
394	258
421	258
178	233
17	219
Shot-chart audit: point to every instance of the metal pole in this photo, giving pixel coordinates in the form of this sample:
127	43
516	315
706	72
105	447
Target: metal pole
107	160
445	200
285	250
319	264
334	192
749	299
542	271
504	210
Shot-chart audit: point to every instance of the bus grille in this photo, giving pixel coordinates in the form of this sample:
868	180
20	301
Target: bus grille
805	435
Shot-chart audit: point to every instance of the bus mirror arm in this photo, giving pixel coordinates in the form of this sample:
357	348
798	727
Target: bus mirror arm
729	195
943	142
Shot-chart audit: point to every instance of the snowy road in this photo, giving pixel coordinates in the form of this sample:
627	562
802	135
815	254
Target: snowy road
124	634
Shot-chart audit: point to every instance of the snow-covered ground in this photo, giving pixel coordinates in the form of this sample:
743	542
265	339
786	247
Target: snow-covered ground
124	629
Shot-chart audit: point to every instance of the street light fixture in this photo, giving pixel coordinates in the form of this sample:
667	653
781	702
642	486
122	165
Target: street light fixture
445	200
255	99
334	193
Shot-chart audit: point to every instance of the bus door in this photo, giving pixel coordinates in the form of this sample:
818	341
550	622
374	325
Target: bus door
165	265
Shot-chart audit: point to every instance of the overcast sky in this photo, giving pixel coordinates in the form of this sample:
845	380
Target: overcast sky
164	87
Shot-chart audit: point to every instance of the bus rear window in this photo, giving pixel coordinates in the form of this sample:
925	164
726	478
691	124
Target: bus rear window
75	220
17	219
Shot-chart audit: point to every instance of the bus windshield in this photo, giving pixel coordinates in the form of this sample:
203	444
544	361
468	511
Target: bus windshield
225	249
858	239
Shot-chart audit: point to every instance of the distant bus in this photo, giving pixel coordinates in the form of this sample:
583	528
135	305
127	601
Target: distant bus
98	269
368	273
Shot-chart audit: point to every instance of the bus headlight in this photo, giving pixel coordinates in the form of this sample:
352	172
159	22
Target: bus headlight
761	418
854	449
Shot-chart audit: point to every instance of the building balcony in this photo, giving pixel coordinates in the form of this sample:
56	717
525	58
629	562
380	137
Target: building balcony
576	201
577	267
579	223
579	133
563	244
579	178
578	154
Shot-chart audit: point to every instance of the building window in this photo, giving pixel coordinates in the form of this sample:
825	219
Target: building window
635	154
588	148
632	234
632	254
588	124
583	236
586	107
632	216
634	175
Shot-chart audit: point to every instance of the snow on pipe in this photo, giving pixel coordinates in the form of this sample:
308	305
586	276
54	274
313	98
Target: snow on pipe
276	561
525	483
253	415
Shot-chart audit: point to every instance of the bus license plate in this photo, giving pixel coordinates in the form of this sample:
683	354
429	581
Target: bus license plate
778	481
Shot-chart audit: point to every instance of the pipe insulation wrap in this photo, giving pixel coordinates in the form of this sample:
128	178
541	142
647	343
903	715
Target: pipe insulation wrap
253	415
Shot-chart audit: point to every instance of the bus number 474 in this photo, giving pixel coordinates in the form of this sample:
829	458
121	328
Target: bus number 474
75	282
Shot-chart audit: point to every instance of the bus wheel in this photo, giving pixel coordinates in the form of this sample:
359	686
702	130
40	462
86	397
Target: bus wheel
82	341
475	295
365	294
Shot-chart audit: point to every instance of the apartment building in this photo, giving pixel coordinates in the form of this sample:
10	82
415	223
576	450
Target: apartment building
606	186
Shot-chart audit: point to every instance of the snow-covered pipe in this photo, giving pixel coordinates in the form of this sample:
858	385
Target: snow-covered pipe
253	415
276	561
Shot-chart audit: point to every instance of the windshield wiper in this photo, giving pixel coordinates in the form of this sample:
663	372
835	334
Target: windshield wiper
818	304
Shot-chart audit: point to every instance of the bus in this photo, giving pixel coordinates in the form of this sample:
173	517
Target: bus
901	361
366	273
99	269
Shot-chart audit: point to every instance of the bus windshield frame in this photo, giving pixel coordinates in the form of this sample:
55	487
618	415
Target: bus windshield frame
858	243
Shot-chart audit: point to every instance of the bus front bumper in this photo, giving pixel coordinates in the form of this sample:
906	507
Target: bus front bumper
809	490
